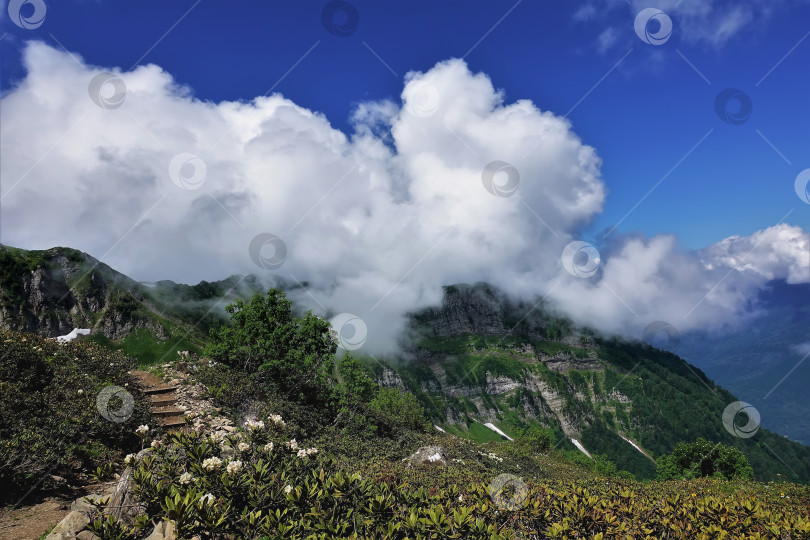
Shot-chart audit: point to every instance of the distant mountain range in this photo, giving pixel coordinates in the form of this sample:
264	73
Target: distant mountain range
484	366
767	362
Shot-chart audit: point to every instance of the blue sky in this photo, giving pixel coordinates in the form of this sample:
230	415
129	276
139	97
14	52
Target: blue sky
643	118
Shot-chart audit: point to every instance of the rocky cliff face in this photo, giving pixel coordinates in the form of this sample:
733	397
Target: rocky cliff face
474	310
479	357
53	291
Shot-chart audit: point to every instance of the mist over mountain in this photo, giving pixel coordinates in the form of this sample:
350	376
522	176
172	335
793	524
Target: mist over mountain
448	184
484	365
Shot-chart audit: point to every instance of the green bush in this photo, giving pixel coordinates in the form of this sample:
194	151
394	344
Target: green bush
537	439
704	458
399	409
49	423
293	356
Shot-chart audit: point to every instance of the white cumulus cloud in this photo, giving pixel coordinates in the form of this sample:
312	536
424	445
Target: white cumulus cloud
376	220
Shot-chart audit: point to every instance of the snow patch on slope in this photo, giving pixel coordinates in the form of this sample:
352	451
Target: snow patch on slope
73	335
494	428
634	444
581	448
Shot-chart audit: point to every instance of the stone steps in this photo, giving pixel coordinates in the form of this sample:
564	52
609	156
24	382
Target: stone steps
162	400
162	397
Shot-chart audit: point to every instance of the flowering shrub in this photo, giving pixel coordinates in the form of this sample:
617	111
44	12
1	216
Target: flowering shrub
49	422
212	488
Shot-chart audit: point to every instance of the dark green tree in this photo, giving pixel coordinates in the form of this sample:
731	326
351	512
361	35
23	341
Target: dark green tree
704	458
294	356
537	439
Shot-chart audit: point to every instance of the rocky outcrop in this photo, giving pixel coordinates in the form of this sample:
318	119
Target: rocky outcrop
51	292
474	310
500	385
428	455
391	379
81	512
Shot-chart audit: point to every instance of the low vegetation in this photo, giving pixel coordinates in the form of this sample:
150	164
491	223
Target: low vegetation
259	483
323	452
49	421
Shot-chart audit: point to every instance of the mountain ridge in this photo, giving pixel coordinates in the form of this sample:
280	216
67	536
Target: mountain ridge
479	358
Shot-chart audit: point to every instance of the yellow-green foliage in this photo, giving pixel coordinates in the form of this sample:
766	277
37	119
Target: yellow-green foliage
281	493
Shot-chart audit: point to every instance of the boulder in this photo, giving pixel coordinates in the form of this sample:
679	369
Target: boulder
69	526
163	531
428	455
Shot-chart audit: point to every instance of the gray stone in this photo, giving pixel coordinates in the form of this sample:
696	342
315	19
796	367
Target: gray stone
69	526
163	531
82	504
428	455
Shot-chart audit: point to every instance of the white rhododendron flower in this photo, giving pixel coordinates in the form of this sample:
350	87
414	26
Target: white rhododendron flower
243	447
268	447
186	478
207	498
211	463
276	420
254	424
142	430
302	453
155	444
129	459
288	489
233	467
292	445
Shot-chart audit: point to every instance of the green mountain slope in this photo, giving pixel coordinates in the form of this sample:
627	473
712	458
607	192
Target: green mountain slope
477	362
481	359
51	292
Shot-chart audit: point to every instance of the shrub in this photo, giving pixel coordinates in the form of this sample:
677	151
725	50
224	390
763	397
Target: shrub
704	458
293	356
537	439
399	409
49	423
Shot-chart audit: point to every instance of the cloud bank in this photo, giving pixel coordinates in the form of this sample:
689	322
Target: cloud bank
452	185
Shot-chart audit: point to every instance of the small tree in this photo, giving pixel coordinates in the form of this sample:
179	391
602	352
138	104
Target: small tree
704	458
356	386
537	439
355	391
294	356
399	409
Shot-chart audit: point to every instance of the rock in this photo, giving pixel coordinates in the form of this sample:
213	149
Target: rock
466	309
58	480
187	367
391	379
69	526
86	535
428	455
82	504
500	385
163	531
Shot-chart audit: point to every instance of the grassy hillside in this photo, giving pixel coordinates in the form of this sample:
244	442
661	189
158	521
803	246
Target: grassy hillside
594	393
